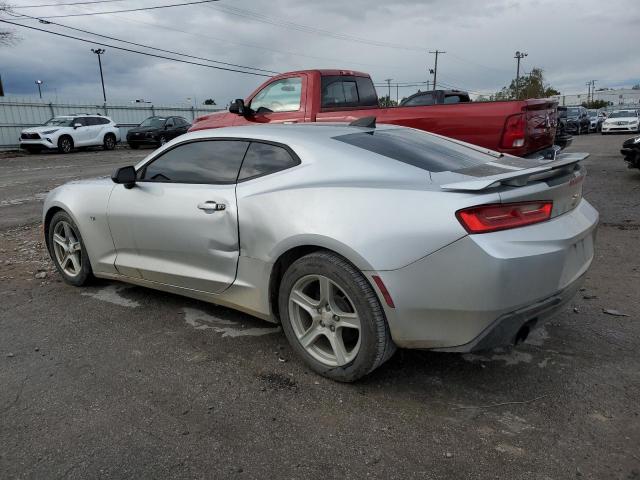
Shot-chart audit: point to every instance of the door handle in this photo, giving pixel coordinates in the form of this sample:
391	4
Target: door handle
211	206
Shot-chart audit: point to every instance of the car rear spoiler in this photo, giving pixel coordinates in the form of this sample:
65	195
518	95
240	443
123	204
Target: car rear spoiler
518	178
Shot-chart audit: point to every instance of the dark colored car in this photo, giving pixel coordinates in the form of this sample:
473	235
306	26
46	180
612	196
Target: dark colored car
157	131
436	97
563	137
577	119
631	152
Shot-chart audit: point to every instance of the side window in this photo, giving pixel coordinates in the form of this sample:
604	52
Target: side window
279	96
81	120
103	121
170	123
262	159
423	99
367	92
452	99
208	161
94	121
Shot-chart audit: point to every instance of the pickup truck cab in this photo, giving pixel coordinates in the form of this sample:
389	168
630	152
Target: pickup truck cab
519	128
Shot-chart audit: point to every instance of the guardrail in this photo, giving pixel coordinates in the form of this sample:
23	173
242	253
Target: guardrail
18	113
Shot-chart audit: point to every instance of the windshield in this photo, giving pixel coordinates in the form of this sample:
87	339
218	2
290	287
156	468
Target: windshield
593	113
573	112
153	122
59	122
416	148
623	114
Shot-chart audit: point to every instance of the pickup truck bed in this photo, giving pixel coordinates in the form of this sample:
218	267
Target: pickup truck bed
516	127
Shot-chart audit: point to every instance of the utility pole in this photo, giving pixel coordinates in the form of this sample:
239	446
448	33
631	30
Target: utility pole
519	56
593	90
397	96
100	52
588	84
388	80
435	68
38	83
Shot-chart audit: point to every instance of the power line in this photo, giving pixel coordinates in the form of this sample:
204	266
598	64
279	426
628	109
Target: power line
64	4
135	51
146	46
258	17
130	9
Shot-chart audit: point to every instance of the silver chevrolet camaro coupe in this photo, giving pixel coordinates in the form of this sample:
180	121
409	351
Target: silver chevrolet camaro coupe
357	239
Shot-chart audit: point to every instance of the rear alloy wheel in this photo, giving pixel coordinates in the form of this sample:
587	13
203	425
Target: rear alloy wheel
109	141
332	317
65	144
67	250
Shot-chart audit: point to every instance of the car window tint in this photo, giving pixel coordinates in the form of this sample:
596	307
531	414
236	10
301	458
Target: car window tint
81	120
211	161
347	91
169	123
416	148
103	121
263	158
424	99
279	96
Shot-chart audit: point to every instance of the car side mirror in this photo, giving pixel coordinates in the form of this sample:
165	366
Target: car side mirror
76	125
237	107
125	175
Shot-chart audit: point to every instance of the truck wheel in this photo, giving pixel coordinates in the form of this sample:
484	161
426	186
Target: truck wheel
333	318
65	144
109	142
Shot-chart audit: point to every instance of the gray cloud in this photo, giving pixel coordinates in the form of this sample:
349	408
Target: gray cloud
573	41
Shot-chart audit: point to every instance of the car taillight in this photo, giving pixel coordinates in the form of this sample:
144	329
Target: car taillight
491	218
515	130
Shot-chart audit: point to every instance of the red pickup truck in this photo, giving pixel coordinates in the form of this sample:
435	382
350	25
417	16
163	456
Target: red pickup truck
516	127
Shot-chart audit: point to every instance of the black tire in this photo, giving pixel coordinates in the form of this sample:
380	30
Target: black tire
85	275
134	146
109	142
376	345
65	144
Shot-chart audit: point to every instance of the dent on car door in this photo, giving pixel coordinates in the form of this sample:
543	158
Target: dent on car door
179	225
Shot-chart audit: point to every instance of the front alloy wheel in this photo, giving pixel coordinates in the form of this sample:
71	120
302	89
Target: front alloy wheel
67	250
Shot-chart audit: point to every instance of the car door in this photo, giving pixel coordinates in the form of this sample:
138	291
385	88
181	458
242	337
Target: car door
280	101
95	129
170	128
81	134
179	224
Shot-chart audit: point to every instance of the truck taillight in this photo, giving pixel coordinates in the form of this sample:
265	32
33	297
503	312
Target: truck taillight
515	131
502	216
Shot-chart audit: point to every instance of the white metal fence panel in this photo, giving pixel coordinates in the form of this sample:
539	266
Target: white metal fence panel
17	113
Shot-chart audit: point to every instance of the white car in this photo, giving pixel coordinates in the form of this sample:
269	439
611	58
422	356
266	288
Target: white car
65	133
622	121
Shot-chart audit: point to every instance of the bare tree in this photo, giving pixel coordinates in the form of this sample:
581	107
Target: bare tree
7	37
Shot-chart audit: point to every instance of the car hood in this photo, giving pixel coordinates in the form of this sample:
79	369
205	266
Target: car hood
143	129
620	119
41	129
213	120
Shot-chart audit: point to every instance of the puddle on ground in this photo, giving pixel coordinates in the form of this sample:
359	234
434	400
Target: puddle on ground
111	294
203	321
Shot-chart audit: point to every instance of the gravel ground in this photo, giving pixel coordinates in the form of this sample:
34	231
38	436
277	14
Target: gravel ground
115	381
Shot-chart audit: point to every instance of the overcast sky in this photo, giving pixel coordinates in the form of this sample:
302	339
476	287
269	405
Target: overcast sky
573	41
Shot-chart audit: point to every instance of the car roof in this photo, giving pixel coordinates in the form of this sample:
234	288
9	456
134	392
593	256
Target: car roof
288	134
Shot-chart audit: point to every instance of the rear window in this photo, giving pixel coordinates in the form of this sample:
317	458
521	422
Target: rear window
416	148
348	91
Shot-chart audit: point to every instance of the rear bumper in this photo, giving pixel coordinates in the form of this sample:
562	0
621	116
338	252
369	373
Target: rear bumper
479	291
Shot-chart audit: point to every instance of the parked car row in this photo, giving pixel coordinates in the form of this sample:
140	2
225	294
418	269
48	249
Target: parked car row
64	133
67	132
